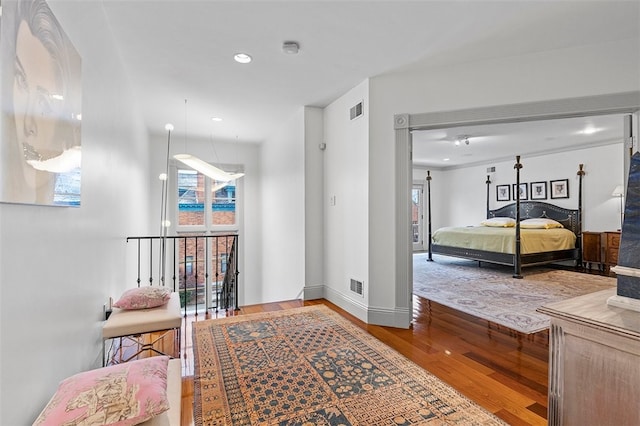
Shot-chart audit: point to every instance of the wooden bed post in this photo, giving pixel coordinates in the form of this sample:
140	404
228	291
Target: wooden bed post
488	182
430	257
517	266
581	173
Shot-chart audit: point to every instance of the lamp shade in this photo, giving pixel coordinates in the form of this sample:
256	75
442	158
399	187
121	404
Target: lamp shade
206	169
618	191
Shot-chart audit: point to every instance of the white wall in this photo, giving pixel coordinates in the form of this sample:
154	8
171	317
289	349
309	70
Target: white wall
282	214
59	265
459	195
243	156
314	199
346	178
565	73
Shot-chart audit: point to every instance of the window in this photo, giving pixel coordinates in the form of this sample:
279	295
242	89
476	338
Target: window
205	204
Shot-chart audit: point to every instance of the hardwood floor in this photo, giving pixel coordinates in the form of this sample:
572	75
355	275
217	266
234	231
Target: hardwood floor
502	370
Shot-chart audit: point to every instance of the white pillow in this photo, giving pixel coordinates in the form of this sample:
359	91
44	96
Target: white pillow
540	223
502	222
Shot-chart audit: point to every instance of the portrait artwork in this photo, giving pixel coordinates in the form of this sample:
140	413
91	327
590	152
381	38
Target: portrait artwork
40	146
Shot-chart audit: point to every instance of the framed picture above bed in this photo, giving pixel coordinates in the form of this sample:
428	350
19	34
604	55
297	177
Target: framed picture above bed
559	188
538	190
524	191
503	193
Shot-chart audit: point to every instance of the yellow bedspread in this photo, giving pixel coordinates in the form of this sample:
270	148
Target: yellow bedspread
502	240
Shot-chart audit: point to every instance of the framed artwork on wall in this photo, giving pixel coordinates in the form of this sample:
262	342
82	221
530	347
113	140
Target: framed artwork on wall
523	190
538	190
559	188
503	193
41	116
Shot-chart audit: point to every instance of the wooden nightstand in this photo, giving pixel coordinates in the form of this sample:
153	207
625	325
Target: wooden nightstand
592	250
611	245
600	248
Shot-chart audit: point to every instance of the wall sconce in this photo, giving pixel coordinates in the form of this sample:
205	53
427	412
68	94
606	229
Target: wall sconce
618	191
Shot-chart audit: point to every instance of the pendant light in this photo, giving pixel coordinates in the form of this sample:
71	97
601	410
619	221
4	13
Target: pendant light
207	169
203	167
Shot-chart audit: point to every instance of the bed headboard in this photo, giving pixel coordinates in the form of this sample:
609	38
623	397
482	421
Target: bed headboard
569	218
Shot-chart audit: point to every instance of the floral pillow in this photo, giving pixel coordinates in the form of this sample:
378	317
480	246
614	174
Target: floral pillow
143	298
123	394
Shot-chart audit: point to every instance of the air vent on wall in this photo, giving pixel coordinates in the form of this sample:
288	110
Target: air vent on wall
491	169
356	286
355	111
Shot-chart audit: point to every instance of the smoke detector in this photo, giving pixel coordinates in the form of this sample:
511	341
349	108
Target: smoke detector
290	47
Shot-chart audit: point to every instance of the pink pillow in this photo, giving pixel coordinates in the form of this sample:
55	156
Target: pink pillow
143	298
122	394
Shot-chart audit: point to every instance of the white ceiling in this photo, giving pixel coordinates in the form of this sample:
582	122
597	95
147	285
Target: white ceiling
495	142
182	50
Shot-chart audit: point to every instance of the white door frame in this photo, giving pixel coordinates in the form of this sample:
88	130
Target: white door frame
404	124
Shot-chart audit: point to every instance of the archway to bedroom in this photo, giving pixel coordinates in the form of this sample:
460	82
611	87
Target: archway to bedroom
463	190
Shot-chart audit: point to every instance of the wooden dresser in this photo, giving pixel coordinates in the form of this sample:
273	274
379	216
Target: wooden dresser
594	362
611	244
600	248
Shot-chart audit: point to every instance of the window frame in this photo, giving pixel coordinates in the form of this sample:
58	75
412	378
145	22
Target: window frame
208	227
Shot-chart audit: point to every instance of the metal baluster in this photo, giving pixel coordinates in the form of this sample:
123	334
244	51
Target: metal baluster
185	276
174	264
235	267
150	261
217	273
139	280
196	276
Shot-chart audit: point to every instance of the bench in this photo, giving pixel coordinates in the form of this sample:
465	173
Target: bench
134	324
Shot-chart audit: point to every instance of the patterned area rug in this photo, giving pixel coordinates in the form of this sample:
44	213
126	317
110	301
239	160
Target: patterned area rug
310	366
489	292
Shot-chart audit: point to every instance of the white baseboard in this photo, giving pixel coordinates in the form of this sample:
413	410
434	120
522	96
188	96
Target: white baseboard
390	317
313	292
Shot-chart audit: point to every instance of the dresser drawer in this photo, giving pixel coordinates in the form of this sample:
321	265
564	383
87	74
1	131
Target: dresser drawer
610	248
613	239
612	256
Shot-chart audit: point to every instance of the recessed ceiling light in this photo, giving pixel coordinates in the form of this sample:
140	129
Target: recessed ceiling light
242	58
216	119
589	130
445	159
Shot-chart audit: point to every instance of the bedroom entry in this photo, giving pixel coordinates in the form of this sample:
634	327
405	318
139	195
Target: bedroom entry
404	124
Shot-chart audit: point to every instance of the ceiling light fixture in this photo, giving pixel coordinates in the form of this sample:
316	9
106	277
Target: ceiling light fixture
462	139
207	169
242	58
203	167
217	119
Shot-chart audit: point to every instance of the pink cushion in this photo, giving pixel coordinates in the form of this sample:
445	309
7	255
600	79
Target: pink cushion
143	298
123	394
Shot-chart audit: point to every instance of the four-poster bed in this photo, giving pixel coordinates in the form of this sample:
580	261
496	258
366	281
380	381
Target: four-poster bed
538	233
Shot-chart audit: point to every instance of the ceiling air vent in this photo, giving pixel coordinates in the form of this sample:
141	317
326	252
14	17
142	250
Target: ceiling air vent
355	111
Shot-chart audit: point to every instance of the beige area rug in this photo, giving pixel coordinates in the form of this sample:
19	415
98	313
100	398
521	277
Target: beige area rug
489	292
310	366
